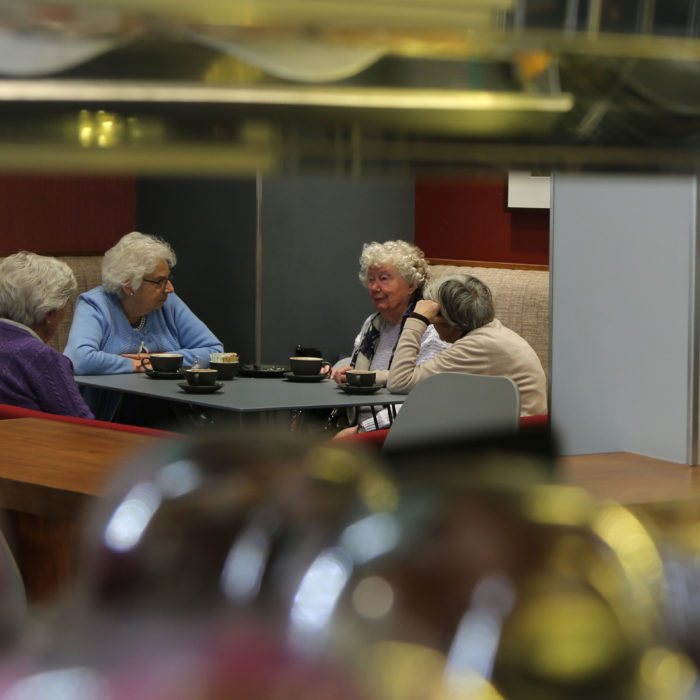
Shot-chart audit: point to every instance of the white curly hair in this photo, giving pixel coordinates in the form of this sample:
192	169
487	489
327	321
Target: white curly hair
406	258
31	286
131	258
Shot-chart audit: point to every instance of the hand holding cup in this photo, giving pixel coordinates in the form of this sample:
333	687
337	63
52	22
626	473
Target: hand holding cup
307	366
164	361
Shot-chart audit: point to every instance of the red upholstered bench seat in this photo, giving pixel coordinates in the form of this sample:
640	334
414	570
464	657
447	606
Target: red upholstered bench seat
375	438
539	421
7	411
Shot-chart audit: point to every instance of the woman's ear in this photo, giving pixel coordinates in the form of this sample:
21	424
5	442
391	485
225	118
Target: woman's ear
50	317
128	291
47	328
56	315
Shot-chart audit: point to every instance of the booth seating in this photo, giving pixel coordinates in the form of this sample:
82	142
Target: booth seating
88	274
521	300
521	297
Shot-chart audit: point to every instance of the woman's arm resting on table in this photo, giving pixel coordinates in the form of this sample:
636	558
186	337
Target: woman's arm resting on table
86	335
338	374
60	395
137	360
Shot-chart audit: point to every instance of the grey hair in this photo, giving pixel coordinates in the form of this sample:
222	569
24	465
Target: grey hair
132	257
31	286
406	258
465	301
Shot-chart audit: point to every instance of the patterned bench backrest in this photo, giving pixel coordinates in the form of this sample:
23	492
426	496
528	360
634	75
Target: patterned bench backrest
521	298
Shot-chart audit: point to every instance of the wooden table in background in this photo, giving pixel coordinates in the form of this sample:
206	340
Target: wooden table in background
631	479
48	469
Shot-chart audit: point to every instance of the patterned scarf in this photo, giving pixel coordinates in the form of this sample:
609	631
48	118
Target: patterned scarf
362	357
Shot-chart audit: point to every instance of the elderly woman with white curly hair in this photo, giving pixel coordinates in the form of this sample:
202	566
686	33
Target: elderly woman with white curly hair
35	291
135	312
460	308
394	273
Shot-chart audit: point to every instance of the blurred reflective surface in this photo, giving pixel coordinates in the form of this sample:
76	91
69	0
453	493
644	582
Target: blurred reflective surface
264	566
355	87
13	600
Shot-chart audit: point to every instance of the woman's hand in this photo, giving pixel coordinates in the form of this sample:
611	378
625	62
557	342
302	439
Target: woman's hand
429	309
338	375
136	358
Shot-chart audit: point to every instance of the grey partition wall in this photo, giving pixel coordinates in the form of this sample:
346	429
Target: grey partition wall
210	222
623	345
312	235
284	248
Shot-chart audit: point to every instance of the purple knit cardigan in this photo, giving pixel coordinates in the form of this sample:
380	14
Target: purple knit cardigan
33	375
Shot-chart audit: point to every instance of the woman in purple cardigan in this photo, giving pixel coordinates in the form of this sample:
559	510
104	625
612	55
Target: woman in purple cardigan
34	293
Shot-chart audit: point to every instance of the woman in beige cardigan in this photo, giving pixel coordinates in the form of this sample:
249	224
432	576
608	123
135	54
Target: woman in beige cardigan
461	310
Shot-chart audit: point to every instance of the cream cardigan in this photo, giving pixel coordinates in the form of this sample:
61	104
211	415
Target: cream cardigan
492	349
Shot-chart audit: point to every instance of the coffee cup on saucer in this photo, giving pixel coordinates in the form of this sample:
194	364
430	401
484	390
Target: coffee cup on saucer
226	370
360	377
201	376
164	361
307	366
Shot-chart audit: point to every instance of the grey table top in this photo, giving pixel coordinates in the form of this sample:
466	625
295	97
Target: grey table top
244	394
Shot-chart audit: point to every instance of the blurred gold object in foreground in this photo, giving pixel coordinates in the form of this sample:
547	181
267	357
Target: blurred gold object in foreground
263	565
348	87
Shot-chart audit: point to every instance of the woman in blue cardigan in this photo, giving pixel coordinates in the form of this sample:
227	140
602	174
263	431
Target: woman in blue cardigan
135	312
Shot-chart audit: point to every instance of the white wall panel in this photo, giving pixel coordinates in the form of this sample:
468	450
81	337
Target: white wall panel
623	304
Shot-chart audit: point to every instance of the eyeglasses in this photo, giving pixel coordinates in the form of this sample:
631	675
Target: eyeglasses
162	282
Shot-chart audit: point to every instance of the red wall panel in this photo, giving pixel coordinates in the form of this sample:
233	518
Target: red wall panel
65	215
465	219
469	220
